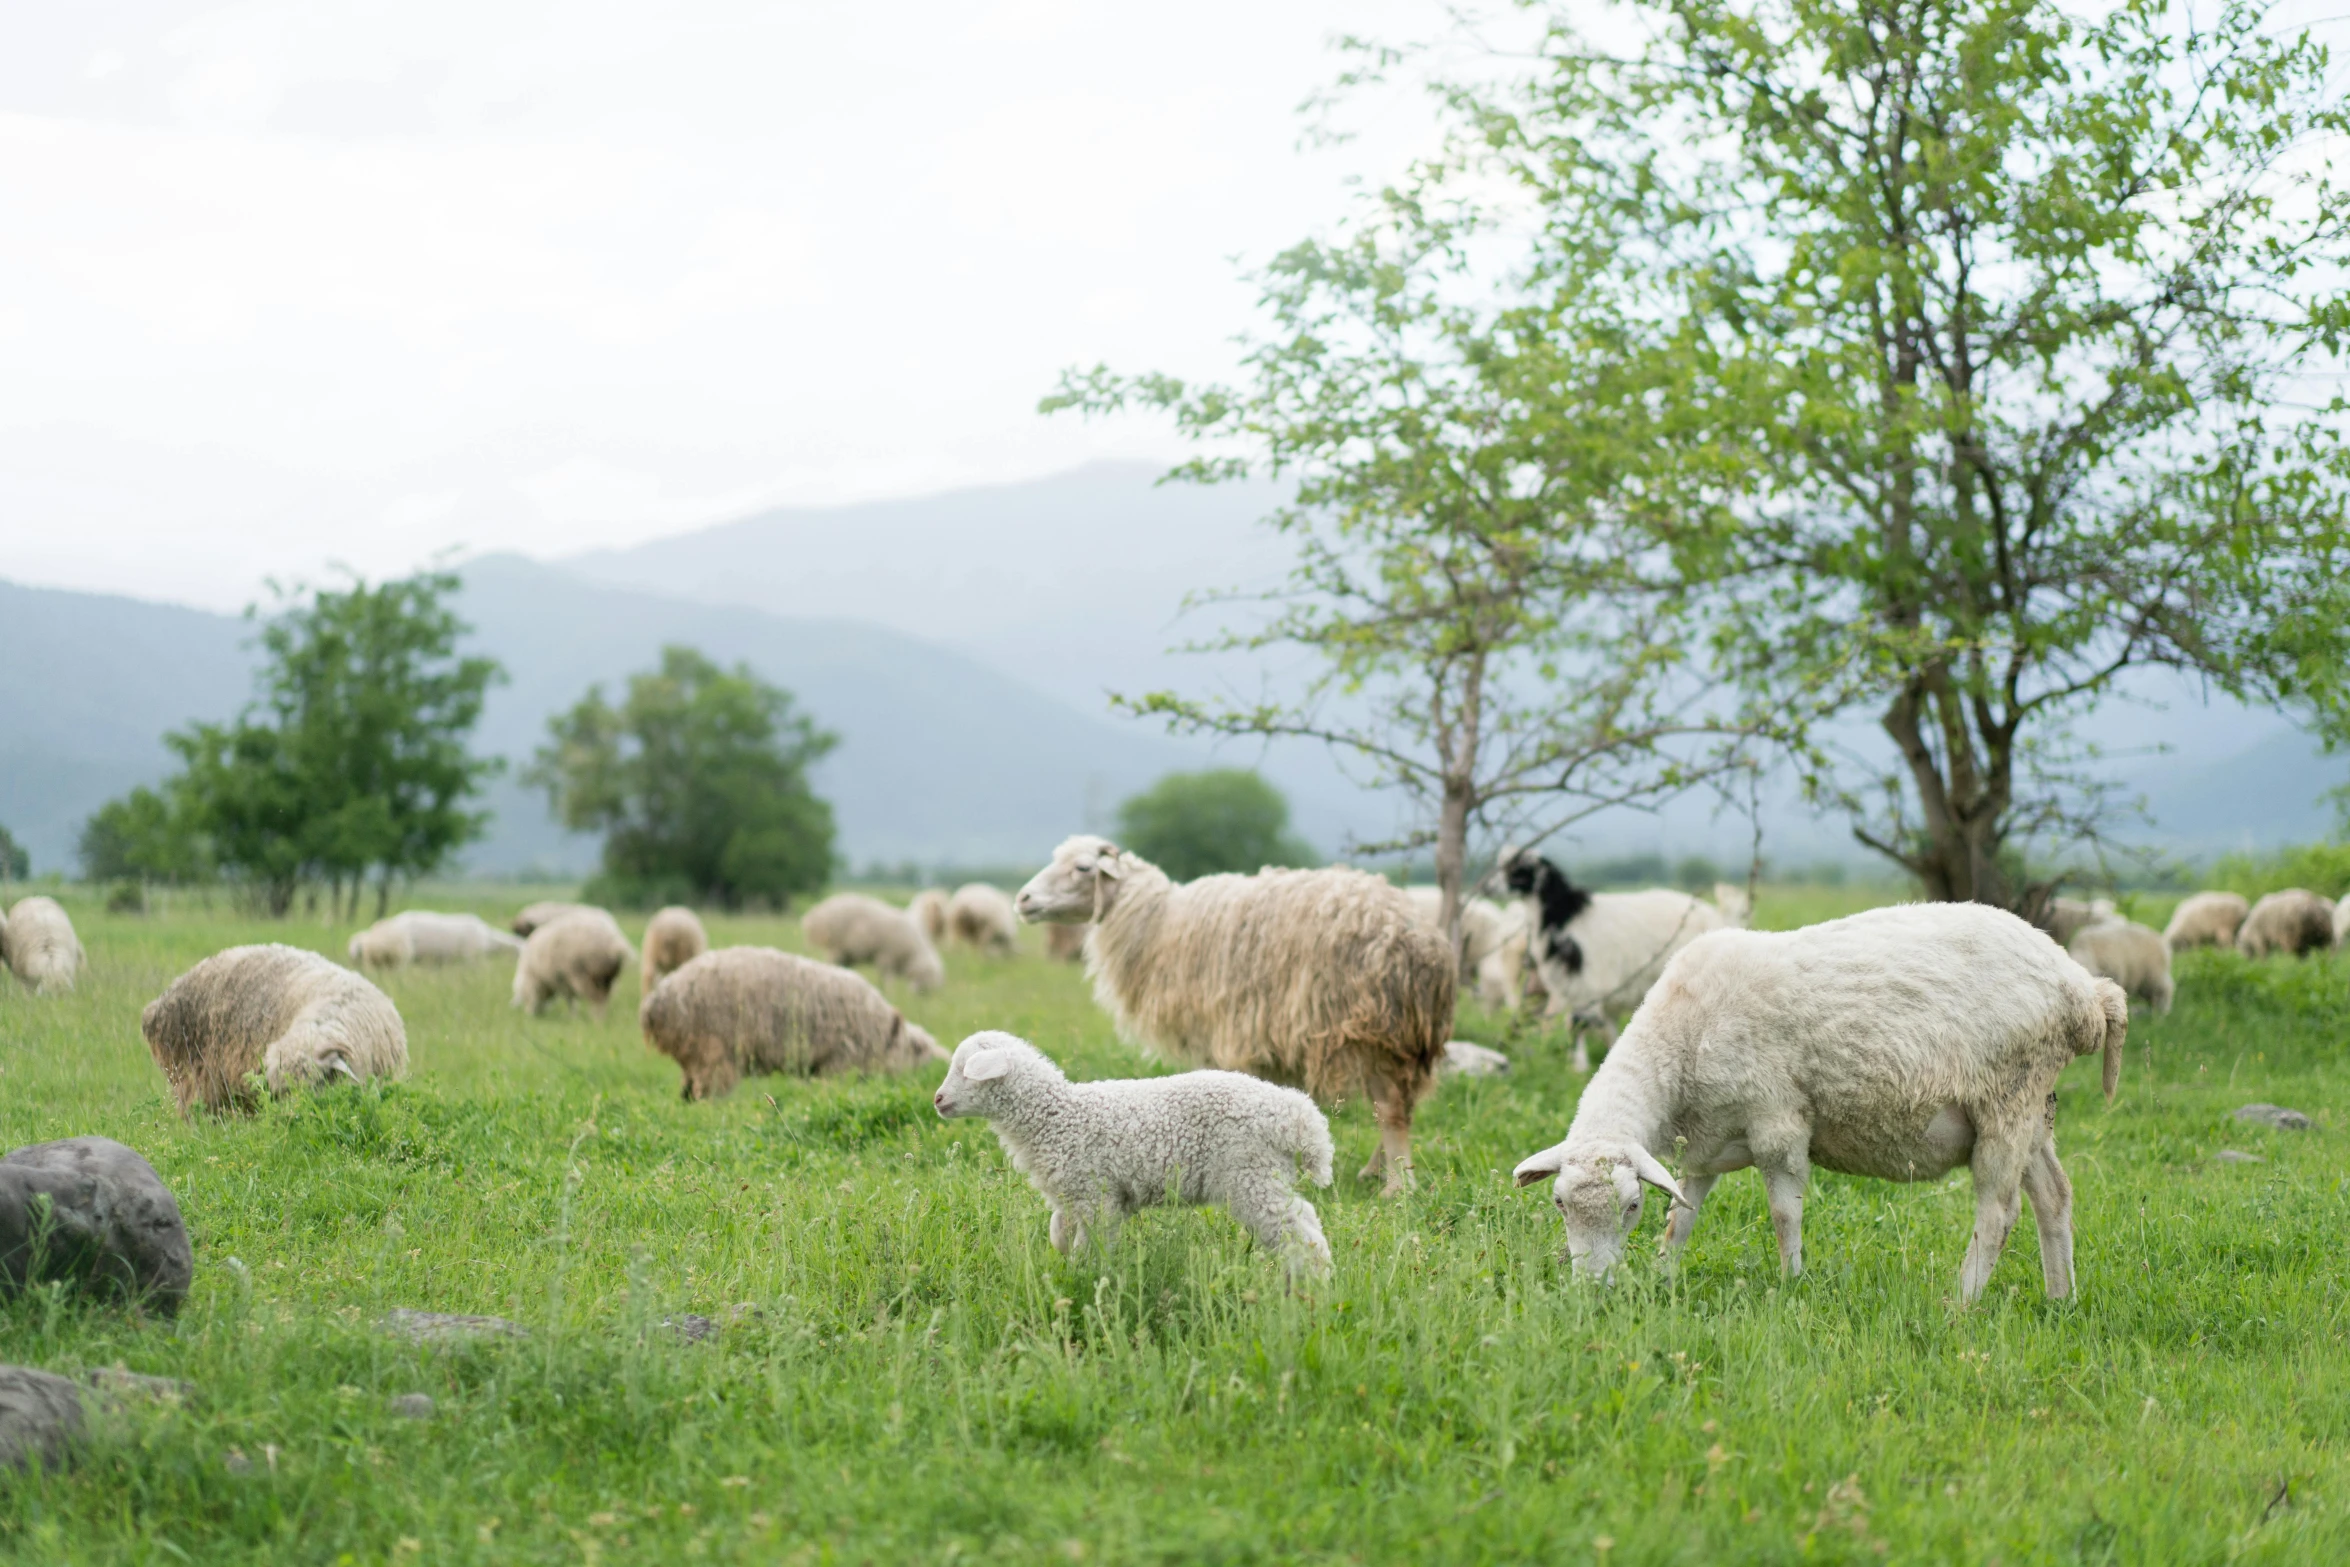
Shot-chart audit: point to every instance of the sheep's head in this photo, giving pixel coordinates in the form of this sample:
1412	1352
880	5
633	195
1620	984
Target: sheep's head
1080	884
983	1066
1596	1190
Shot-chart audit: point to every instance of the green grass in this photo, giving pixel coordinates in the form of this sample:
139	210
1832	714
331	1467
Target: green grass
924	1380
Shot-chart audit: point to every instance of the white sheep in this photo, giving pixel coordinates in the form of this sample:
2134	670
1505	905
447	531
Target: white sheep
928	910
538	914
1484	926
417	936
2068	917
1101	1151
577	955
294	1017
39	946
1501	976
849	929
982	916
2206	919
673	939
1599	952
1899	1043
1320	978
2295	920
747	1010
2133	956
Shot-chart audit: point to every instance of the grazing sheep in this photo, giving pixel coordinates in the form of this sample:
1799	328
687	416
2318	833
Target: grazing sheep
39	946
2206	919
1899	1043
577	955
982	916
2068	917
849	928
1066	943
1599	952
1101	1151
419	937
928	910
538	914
2294	920
1502	978
2133	956
752	1010
674	939
293	1016
1318	978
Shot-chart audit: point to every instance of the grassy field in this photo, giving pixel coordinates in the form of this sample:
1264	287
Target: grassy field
918	1377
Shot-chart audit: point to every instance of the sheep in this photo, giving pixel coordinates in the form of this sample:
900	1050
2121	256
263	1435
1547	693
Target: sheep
1066	943
420	937
2294	920
928	910
295	1017
1599	952
674	939
2206	919
577	955
1484	926
39	945
1321	979
983	917
1098	1152
756	1010
2068	917
849	928
538	914
1899	1043
2133	956
1502	980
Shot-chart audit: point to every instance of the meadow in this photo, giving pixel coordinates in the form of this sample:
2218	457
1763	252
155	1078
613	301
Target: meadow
907	1372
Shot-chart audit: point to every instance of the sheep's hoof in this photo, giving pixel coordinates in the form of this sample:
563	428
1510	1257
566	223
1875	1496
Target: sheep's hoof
1398	1183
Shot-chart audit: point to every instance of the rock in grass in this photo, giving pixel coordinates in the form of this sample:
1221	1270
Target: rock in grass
2278	1116
444	1327
92	1214
1462	1059
2238	1156
119	1385
411	1406
40	1418
691	1327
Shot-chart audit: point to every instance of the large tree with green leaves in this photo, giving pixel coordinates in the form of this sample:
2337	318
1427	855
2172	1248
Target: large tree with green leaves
2025	316
144	837
698	781
1196	824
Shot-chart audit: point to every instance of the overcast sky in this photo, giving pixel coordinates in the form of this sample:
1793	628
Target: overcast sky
291	281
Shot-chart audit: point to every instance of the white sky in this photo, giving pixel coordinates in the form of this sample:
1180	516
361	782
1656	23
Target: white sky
291	281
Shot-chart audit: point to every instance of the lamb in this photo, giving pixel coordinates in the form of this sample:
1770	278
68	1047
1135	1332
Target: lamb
2133	956
674	939
1098	1152
755	1010
2294	920
39	946
530	919
983	917
1599	952
1066	943
2068	917
1321	979
295	1017
1899	1043
2206	919
577	955
420	937
849	928
929	911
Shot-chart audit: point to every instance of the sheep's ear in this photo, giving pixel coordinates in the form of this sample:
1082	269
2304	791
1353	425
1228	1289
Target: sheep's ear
981	1065
1644	1165
1543	1166
1109	864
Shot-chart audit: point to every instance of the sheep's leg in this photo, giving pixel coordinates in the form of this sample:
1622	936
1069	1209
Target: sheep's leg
2051	1192
1066	1232
1683	1222
1395	1138
1584	1025
1999	1164
1285	1223
1784	1182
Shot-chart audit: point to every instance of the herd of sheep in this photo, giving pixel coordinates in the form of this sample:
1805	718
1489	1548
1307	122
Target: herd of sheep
1898	1043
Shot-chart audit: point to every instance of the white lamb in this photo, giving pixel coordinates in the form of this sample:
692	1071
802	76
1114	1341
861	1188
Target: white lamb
417	936
2133	956
1899	1043
38	944
1101	1151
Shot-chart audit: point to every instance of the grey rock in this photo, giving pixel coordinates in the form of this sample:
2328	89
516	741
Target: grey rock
93	1214
691	1327
40	1418
2278	1116
118	1385
443	1327
2237	1156
1463	1059
411	1406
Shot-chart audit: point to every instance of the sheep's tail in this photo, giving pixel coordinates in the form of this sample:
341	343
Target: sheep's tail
1308	1138
2108	1028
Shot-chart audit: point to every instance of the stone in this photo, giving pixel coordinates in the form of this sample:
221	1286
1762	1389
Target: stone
690	1327
40	1418
1462	1059
443	1327
411	1406
2237	1156
2278	1116
92	1214
120	1385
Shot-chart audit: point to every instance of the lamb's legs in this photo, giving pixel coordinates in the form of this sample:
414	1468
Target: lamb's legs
1784	1183
1999	1163
1683	1221
1067	1232
1285	1223
2051	1192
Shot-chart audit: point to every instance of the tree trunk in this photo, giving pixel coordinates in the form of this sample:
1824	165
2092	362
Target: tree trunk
1452	853
383	893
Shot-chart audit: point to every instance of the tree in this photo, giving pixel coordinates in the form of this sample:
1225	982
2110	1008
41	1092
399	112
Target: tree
1196	824
698	781
353	759
15	863
1479	479
143	837
2020	315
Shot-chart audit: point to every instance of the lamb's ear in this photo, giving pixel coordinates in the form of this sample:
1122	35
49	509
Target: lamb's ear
1644	1165
980	1065
1542	1166
1109	864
